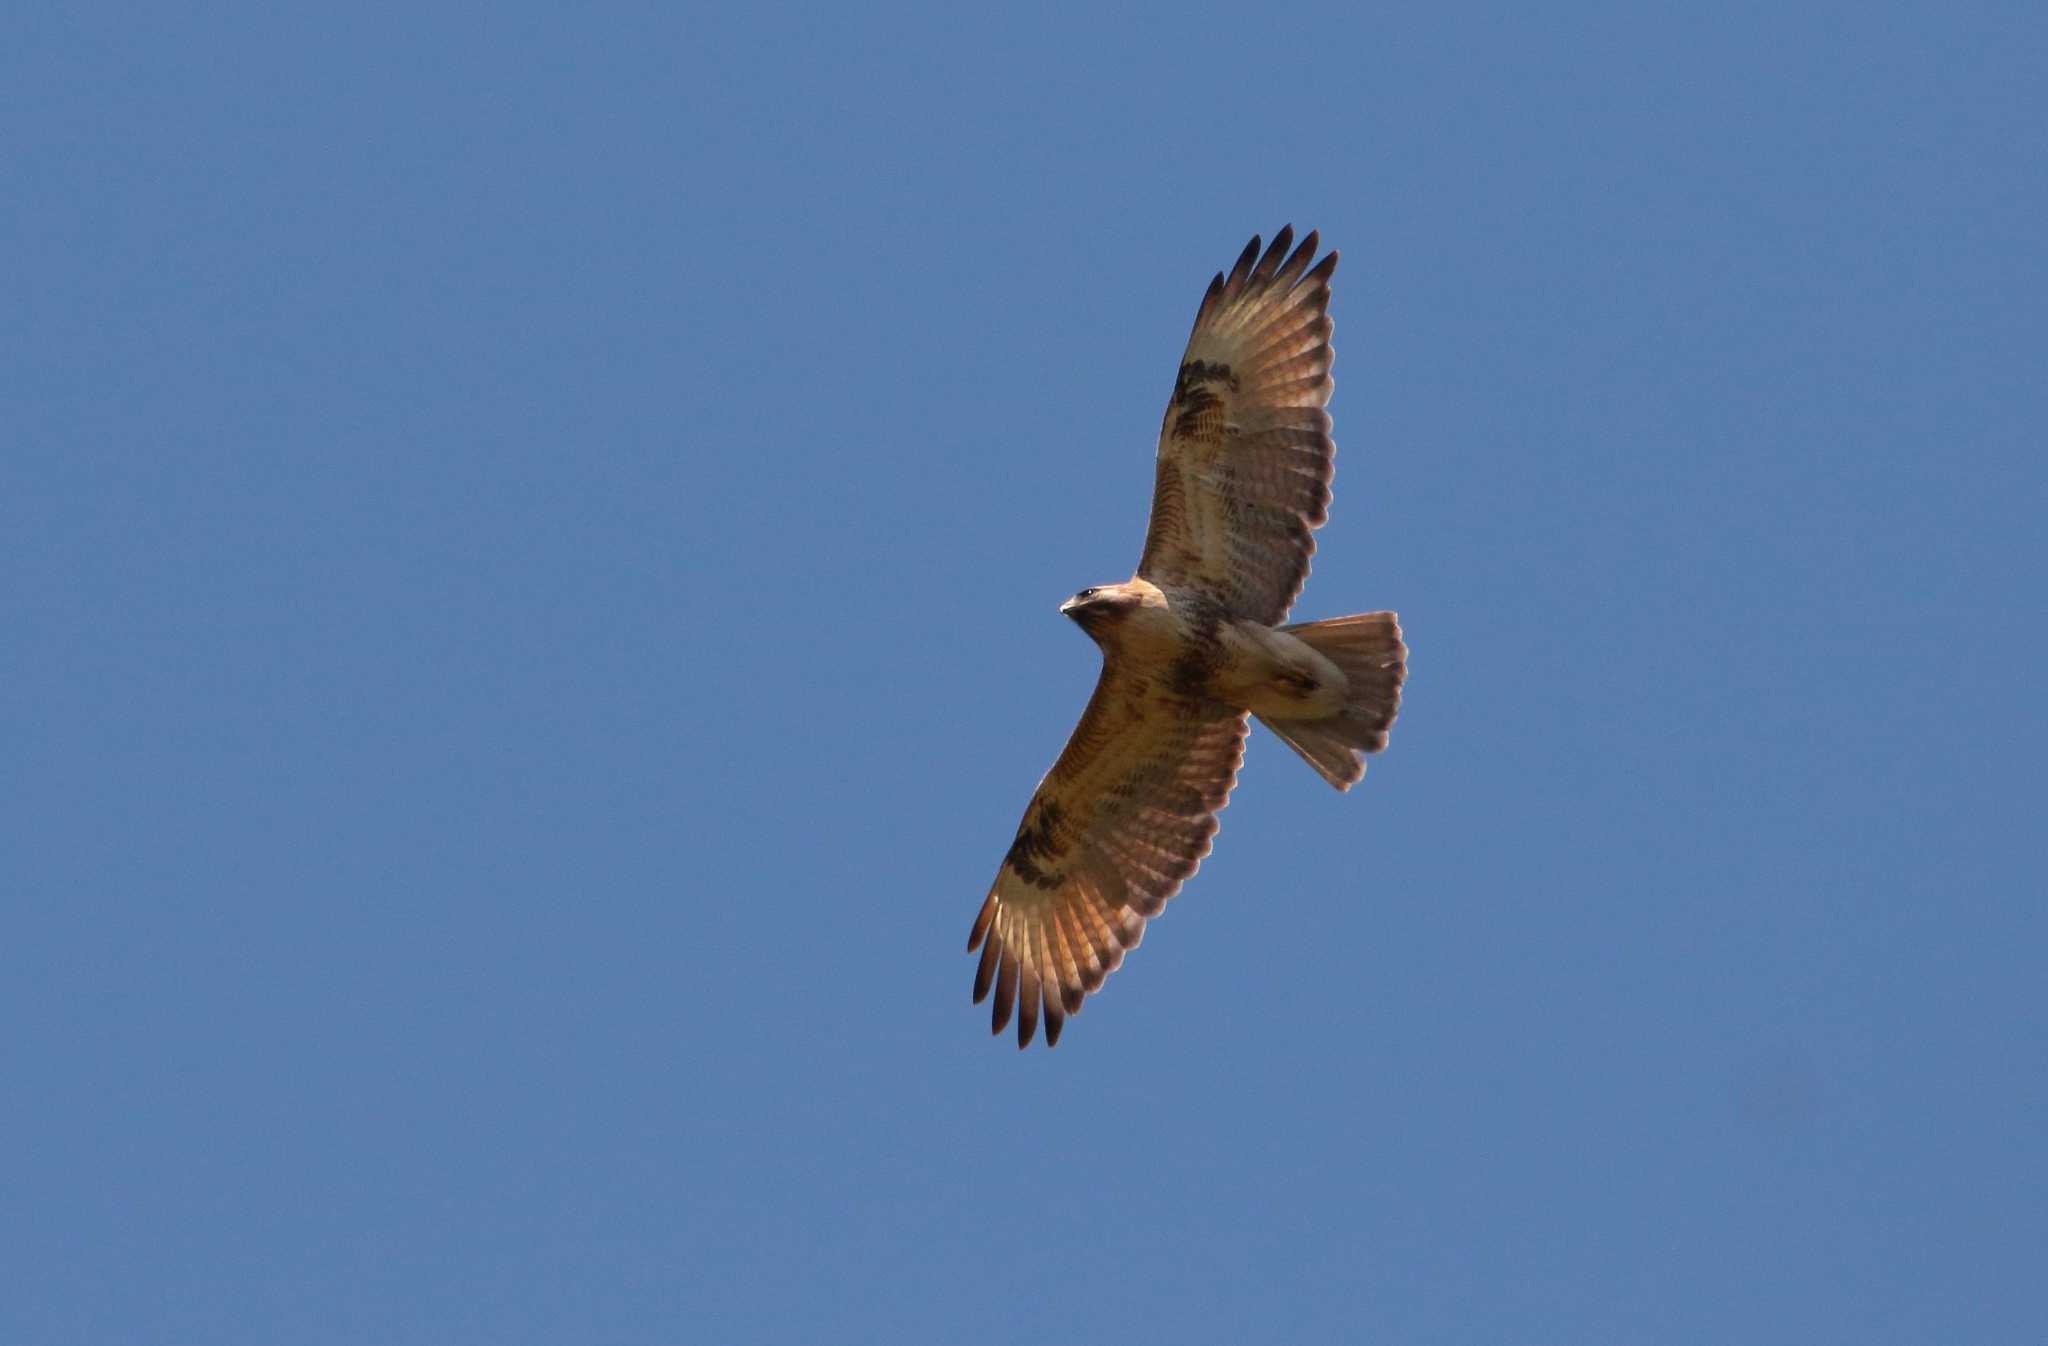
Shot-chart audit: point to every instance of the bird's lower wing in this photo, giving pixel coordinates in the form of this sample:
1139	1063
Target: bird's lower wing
1122	819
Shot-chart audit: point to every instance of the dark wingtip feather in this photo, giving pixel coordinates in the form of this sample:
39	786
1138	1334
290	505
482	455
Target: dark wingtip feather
1054	1022
982	919
1027	1009
1243	268
1290	274
1006	994
1270	263
986	972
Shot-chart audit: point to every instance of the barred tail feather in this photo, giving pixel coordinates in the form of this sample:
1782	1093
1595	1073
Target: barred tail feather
1368	648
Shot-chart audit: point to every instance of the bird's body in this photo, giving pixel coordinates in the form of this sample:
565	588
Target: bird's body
1187	644
1192	645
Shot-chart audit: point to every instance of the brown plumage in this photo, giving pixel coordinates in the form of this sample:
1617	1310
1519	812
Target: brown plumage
1192	647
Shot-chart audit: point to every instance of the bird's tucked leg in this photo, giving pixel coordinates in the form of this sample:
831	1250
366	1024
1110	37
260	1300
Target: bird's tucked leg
1278	677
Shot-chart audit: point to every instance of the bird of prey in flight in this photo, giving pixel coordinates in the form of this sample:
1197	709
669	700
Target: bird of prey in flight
1191	646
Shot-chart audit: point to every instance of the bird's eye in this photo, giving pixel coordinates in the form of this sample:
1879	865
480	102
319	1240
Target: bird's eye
1089	593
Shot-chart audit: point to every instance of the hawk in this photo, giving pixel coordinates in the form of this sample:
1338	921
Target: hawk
1193	645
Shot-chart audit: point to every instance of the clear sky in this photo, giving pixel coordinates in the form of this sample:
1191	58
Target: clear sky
529	543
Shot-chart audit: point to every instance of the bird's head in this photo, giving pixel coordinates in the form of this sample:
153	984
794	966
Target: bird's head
1097	610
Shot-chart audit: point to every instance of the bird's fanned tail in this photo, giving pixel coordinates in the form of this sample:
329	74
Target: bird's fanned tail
1369	650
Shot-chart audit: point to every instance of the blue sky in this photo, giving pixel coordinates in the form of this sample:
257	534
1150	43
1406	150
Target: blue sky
529	544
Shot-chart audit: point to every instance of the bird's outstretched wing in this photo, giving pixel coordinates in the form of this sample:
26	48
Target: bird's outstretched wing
1124	816
1245	456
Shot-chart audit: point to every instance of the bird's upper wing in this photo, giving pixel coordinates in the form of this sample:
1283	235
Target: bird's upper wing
1124	816
1245	456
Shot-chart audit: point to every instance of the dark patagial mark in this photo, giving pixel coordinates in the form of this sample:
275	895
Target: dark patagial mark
1197	372
1037	845
1188	417
1193	398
